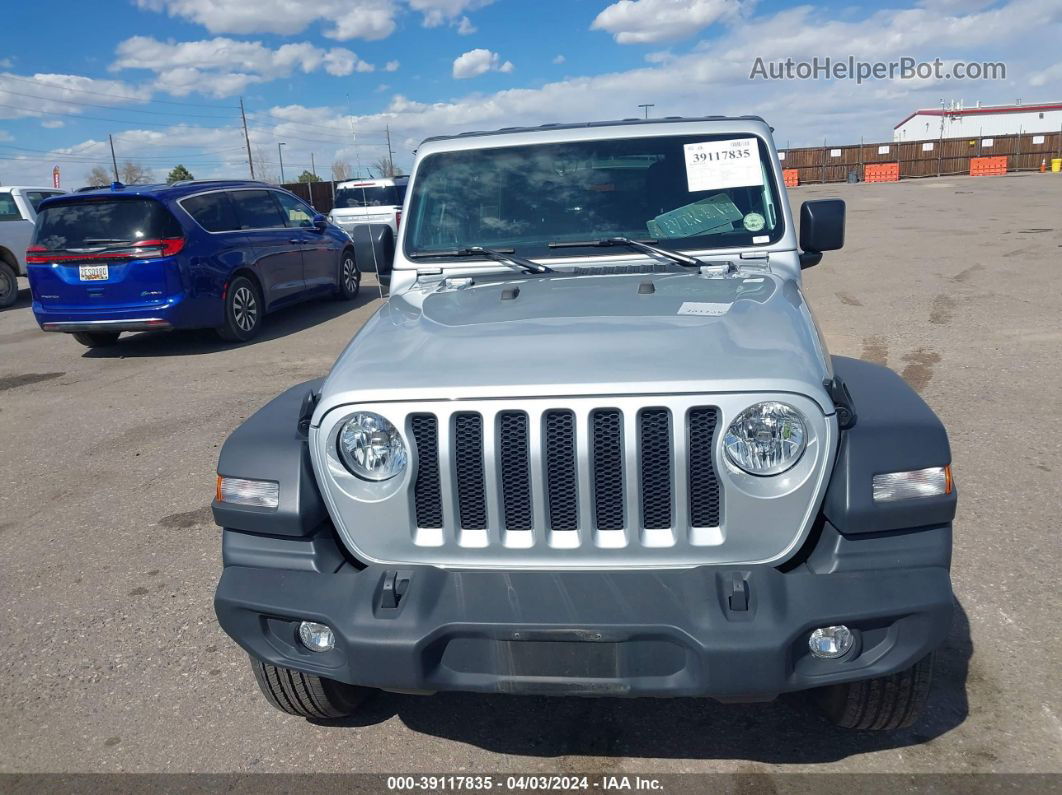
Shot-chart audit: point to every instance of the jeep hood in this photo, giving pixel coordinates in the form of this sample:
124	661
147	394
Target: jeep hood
567	335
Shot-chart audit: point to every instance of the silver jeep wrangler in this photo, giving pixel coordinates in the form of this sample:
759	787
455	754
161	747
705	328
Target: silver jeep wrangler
594	444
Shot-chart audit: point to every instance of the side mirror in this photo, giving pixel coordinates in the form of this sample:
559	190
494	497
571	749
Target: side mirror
374	249
320	221
821	229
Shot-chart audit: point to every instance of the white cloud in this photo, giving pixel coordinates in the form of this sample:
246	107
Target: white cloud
478	62
344	19
6	63
648	21
465	27
660	56
52	124
1052	75
559	59
712	78
803	111
391	66
438	12
222	67
21	95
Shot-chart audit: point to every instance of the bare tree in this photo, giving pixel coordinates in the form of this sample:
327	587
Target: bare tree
98	177
384	167
132	173
341	170
264	167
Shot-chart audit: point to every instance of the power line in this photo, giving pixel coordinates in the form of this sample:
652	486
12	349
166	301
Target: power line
62	101
37	113
118	96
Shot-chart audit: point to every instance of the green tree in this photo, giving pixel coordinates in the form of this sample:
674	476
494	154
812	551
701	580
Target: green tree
179	174
308	176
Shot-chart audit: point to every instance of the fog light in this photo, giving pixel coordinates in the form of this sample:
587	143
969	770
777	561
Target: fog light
828	643
316	637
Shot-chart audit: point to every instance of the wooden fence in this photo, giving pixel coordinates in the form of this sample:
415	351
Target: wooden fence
320	195
929	158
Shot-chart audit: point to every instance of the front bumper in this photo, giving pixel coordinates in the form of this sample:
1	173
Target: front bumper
653	632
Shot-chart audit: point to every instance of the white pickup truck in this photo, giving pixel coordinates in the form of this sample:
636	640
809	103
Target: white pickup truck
369	201
18	213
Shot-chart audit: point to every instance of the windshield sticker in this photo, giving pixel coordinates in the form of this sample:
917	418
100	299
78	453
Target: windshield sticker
710	216
754	222
757	239
703	308
712	165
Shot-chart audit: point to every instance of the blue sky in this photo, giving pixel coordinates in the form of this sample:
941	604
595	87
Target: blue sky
165	76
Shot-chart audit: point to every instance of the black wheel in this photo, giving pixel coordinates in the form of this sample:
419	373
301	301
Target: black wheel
243	311
349	277
883	704
96	339
306	695
8	284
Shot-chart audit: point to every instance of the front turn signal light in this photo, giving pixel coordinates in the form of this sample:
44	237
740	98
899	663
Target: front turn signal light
930	482
253	493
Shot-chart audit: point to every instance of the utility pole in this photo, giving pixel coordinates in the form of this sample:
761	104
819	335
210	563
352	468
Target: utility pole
247	139
280	154
940	142
114	161
313	167
390	154
646	107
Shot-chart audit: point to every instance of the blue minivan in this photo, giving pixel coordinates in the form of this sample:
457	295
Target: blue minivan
196	254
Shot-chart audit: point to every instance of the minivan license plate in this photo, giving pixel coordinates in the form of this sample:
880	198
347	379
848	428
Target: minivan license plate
93	273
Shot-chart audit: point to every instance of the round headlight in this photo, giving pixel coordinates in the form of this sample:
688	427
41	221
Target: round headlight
371	447
766	439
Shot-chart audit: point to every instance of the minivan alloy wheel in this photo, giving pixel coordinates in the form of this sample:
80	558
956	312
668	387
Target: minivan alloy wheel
350	274
244	308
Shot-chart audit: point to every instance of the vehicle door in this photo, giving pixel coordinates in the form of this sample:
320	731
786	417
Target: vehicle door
16	228
277	249
320	260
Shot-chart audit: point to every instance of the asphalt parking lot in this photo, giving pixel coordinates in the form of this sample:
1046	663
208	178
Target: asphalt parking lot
112	659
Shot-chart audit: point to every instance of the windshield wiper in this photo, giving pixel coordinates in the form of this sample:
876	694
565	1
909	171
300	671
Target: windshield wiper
639	245
502	255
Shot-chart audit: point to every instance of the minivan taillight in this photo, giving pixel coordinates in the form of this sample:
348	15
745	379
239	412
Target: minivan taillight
142	249
166	247
398	218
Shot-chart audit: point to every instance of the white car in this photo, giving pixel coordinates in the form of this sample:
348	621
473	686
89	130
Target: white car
18	214
369	201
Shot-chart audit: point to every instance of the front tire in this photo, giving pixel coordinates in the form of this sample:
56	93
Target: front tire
8	284
243	311
349	277
96	339
306	695
886	703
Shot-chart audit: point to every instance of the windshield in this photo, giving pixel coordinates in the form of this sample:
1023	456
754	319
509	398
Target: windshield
94	222
377	196
692	192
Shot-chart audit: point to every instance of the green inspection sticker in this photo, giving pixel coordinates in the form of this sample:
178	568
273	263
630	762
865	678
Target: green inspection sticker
754	222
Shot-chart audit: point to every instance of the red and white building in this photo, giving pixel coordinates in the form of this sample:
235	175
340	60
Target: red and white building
980	121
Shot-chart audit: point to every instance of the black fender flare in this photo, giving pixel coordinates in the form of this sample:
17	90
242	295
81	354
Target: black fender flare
895	432
271	445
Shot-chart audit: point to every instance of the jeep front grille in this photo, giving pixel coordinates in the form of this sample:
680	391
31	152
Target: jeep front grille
628	475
